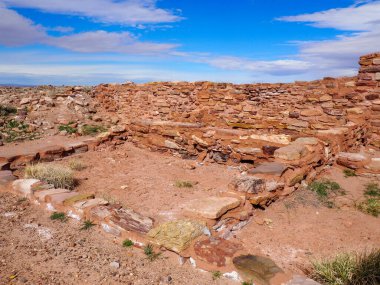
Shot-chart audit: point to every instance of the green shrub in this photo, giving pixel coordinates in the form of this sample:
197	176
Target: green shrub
87	224
58	216
348	269
59	176
90	130
68	128
349	172
127	243
372	189
149	252
7	110
183	184
370	206
216	275
326	189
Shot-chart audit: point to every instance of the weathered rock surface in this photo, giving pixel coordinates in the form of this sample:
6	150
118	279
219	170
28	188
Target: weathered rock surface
130	220
212	207
176	235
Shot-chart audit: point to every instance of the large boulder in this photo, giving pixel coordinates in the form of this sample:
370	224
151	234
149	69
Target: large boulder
177	235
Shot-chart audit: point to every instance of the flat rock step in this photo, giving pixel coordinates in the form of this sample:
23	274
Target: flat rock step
212	207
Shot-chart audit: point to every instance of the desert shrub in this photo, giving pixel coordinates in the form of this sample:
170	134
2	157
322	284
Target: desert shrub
77	165
216	275
58	216
149	252
7	110
183	184
59	176
87	224
349	173
90	130
371	204
348	269
326	189
372	189
68	129
127	243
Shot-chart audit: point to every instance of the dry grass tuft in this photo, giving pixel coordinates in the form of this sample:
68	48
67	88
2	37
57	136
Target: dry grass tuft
59	176
77	165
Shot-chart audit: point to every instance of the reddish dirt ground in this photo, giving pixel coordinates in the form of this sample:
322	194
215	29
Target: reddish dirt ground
292	231
298	228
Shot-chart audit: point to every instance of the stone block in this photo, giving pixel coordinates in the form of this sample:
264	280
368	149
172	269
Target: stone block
42	195
24	186
131	221
291	152
59	198
177	235
212	207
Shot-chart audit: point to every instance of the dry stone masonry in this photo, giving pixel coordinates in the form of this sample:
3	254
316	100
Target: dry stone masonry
280	135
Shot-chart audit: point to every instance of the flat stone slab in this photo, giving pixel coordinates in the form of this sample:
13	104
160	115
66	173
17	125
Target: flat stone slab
307	141
291	152
258	268
58	199
77	198
24	186
6	177
302	280
216	251
41	195
89	203
176	235
212	207
131	221
270	168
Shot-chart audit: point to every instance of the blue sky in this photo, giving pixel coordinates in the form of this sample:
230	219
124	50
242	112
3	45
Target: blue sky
94	41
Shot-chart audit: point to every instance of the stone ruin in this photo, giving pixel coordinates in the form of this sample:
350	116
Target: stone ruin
281	135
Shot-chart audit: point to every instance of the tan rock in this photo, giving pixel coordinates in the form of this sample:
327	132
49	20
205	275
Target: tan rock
291	152
212	207
176	235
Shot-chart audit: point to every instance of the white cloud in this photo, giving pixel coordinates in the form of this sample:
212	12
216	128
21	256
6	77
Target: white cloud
126	12
102	41
15	30
360	17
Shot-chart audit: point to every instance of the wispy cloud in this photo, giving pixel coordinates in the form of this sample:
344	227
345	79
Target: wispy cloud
126	12
363	16
16	30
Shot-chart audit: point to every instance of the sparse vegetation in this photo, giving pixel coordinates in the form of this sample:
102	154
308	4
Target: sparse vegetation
371	204
58	216
87	224
349	172
216	275
68	128
14	130
77	165
372	189
325	190
127	243
90	130
348	269
149	252
183	184
7	110
247	283
59	176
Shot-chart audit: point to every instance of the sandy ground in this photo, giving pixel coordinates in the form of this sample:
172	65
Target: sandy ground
296	230
292	231
37	250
